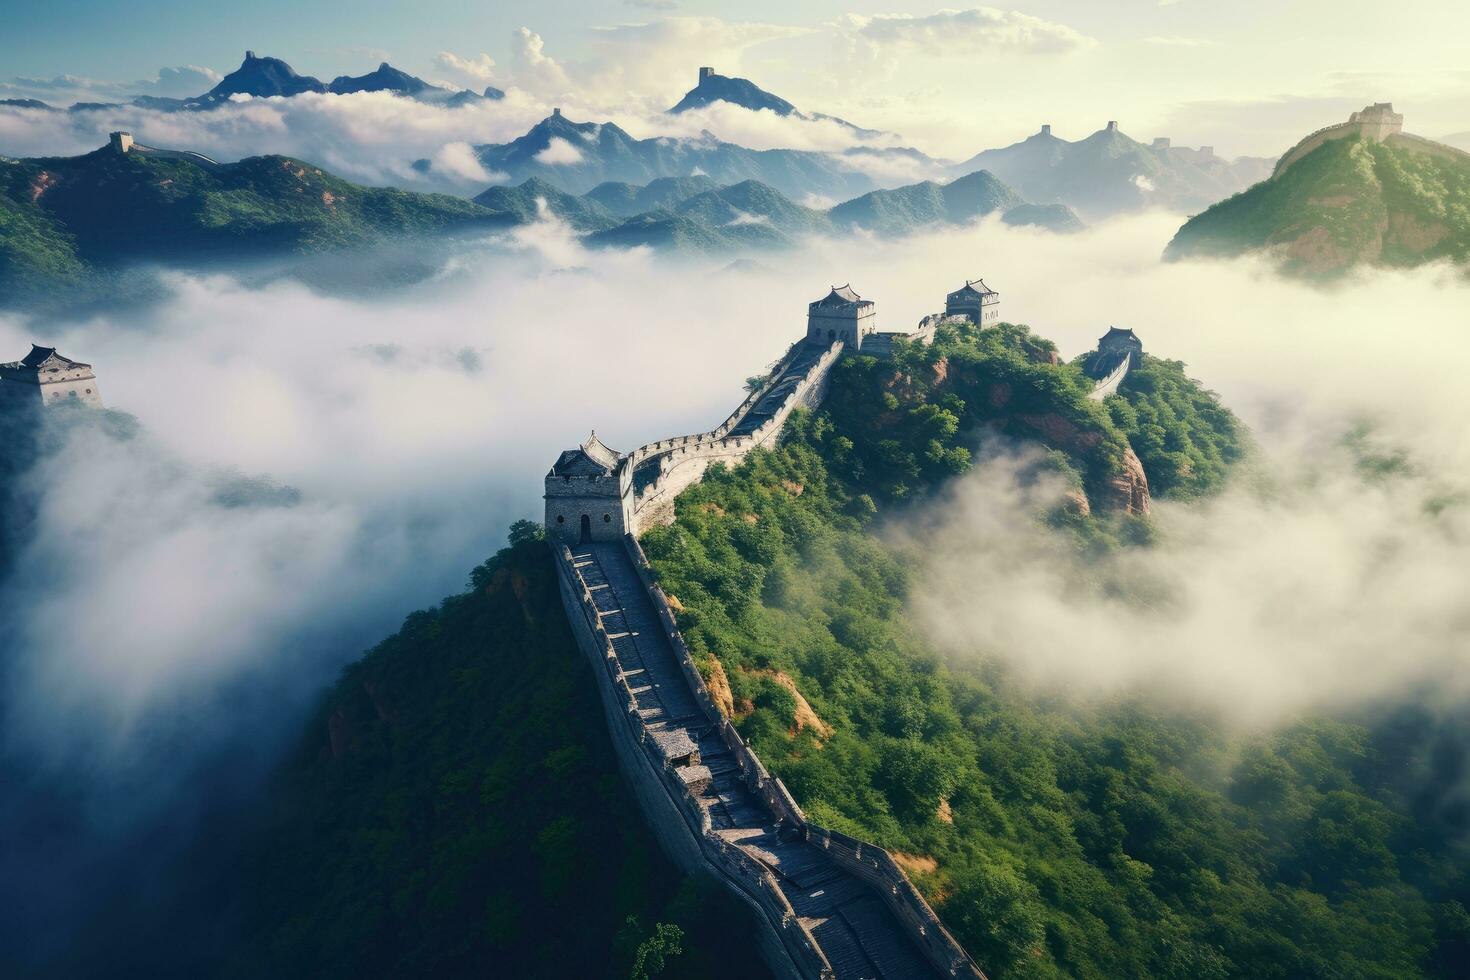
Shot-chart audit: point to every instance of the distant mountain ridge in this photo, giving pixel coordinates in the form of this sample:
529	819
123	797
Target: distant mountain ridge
578	156
267	77
1109	173
70	222
694	213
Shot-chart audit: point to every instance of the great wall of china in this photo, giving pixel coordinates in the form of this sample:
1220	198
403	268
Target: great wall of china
827	905
1377	122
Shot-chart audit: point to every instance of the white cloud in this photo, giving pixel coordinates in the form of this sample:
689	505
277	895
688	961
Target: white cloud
479	69
458	160
559	151
369	137
533	69
181	82
967	32
62	90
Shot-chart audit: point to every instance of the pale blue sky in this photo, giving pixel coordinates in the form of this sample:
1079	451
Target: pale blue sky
1241	74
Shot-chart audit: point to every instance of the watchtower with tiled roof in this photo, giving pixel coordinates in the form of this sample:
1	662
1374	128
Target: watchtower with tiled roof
44	377
841	315
975	300
585	494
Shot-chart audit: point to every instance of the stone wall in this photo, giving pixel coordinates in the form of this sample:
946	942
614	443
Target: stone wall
683	461
869	862
682	829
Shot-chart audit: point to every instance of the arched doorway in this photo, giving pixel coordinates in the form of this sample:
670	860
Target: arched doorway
586	529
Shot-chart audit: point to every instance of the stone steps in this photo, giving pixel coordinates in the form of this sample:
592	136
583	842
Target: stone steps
852	927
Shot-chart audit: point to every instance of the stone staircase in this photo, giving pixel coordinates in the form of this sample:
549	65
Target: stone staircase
851	926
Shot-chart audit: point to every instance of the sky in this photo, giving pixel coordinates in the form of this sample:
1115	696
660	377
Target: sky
1246	77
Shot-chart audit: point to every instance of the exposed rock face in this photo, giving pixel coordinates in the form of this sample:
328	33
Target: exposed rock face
1128	488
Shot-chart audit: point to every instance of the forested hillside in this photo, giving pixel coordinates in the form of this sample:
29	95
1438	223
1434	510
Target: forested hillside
1102	840
455	810
67	222
1350	201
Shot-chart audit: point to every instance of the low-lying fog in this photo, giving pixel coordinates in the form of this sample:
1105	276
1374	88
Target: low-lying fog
151	626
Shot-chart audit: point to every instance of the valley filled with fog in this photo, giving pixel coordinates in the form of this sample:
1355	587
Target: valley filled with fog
309	468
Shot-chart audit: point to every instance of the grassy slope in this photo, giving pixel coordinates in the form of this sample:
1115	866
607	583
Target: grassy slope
456	810
1348	201
1102	842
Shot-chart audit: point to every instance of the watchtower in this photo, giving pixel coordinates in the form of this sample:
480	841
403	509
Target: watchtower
585	493
975	300
121	142
1378	121
1113	348
44	377
705	73
841	315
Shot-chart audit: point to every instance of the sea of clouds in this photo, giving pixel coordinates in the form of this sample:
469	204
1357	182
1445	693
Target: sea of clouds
152	628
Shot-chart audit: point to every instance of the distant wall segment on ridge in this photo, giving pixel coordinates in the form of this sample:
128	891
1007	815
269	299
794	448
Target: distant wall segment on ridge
1377	122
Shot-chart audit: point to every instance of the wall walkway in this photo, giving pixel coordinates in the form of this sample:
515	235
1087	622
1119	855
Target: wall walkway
830	906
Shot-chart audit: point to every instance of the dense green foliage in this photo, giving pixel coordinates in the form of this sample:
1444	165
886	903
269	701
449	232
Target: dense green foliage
66	221
1347	201
1115	840
456	810
906	424
1186	439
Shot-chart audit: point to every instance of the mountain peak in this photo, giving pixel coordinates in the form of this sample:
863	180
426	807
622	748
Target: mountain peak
743	92
385	79
262	78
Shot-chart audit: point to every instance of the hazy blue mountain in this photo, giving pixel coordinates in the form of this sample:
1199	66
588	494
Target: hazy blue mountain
389	79
743	92
753	215
749	203
385	79
669	231
596	153
1053	217
1110	173
665	193
904	210
262	78
737	91
581	213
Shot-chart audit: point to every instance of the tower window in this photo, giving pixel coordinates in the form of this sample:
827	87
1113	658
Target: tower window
561	518
607	518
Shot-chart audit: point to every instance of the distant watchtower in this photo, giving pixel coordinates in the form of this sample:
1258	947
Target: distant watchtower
841	315
44	377
705	73
975	300
1378	121
121	142
585	493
